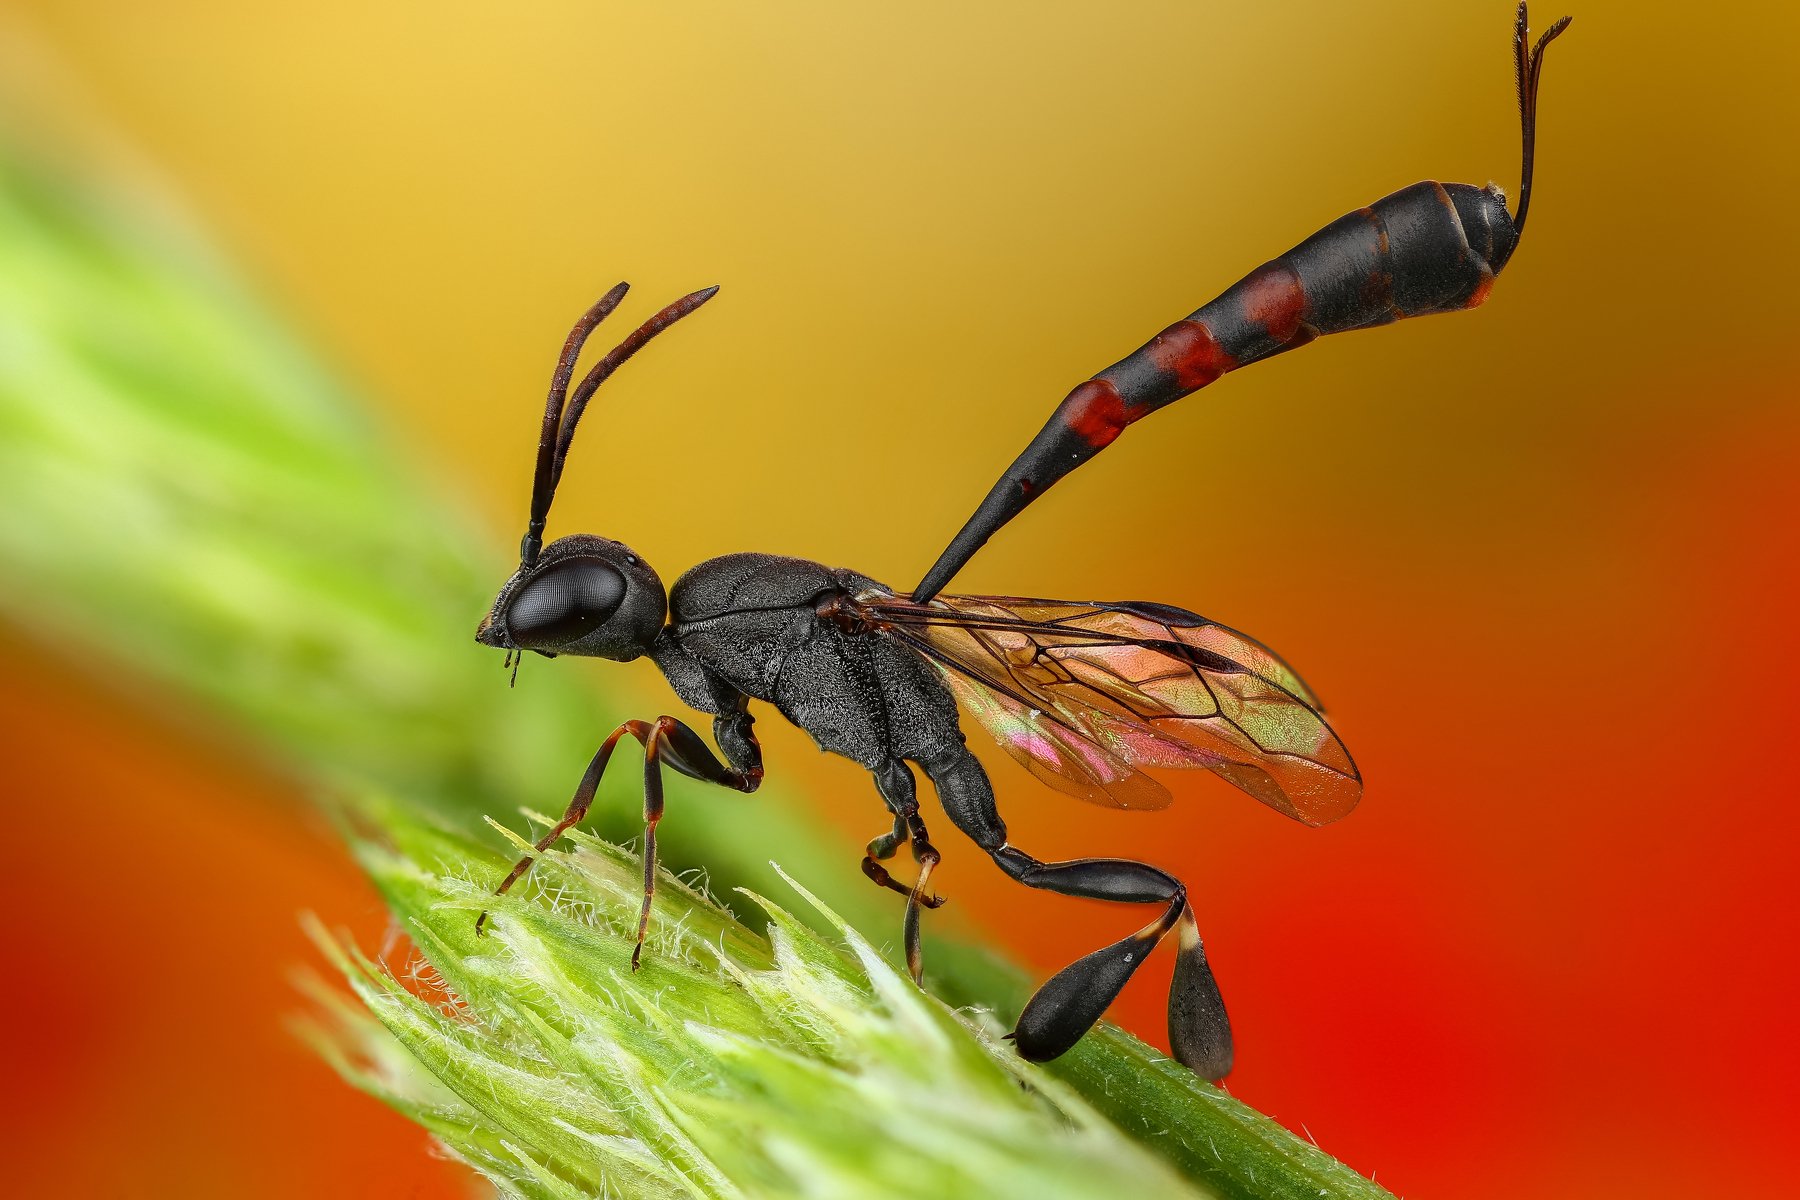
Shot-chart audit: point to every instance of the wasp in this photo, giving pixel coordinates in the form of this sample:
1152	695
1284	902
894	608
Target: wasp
1085	695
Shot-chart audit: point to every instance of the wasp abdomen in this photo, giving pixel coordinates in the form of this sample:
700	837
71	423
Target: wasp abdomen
1428	248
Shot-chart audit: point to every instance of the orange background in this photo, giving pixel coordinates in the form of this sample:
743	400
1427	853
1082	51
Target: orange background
1540	559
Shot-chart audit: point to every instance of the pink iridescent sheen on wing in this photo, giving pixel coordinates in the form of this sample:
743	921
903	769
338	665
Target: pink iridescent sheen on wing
1084	695
1055	754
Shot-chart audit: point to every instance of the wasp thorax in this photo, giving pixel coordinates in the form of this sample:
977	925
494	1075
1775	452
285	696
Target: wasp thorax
586	596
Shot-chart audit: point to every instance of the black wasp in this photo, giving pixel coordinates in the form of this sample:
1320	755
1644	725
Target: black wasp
1085	695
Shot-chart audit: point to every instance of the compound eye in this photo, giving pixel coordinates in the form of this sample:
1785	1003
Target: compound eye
564	603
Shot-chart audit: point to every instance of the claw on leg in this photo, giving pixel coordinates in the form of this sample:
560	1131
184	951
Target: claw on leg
879	874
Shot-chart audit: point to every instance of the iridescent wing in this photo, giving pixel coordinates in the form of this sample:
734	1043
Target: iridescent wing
1085	695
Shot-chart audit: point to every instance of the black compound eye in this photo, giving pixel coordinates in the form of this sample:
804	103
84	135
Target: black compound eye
564	603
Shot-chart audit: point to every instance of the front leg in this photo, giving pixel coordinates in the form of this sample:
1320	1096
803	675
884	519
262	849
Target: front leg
666	740
682	748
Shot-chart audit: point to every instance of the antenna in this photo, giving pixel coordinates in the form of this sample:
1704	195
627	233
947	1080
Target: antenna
562	410
1527	67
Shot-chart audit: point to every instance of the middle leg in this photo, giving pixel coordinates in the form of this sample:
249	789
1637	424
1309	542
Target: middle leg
899	791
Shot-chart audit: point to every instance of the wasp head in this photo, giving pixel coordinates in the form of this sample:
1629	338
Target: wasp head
584	595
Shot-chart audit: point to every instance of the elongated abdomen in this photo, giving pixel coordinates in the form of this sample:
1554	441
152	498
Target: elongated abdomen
1428	248
1407	255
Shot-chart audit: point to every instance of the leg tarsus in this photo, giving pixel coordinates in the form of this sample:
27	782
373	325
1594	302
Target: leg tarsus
894	780
878	874
643	925
928	861
673	744
882	848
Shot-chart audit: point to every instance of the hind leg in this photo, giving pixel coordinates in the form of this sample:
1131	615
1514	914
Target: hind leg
1073	999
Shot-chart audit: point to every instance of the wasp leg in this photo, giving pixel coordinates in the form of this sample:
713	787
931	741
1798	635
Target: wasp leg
906	818
880	850
578	805
928	858
884	847
895	782
1073	999
673	743
666	741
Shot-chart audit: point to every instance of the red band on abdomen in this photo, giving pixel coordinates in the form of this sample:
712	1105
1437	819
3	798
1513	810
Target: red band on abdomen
1188	351
1096	413
1274	299
1479	296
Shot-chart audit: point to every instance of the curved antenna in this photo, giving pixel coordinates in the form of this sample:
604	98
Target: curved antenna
561	411
615	358
543	481
1527	67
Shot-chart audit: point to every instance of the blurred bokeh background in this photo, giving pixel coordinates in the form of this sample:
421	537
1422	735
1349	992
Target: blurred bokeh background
1542	560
